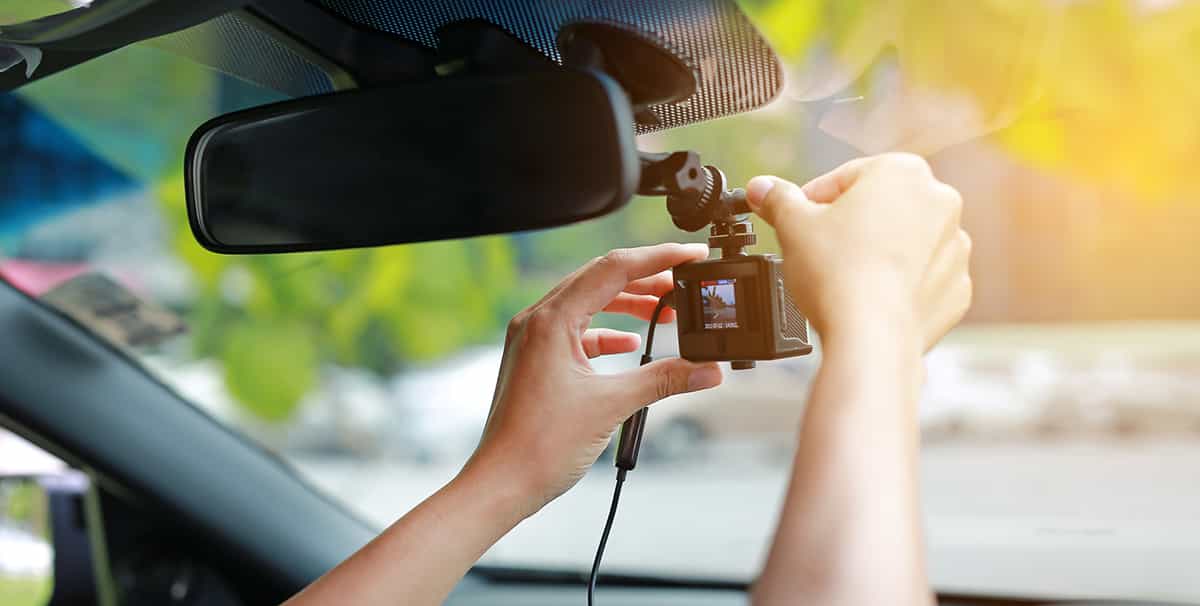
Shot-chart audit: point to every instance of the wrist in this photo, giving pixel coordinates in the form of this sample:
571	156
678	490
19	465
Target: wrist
877	334
873	328
868	306
504	488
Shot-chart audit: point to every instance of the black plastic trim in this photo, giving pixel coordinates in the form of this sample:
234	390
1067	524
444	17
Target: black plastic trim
73	37
64	385
369	56
114	23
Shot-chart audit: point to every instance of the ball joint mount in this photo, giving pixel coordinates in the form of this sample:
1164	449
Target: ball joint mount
697	197
654	73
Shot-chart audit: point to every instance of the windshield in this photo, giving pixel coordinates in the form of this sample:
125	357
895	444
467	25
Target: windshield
1060	422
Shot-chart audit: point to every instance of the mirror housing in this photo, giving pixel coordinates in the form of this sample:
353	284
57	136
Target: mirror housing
452	157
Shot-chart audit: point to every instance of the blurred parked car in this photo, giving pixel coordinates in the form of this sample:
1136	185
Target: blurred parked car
1117	394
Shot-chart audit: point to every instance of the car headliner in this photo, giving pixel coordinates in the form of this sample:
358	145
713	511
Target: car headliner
305	48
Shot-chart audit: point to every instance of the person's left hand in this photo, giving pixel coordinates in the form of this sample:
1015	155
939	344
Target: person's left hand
552	414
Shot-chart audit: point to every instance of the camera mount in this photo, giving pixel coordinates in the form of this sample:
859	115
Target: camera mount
733	308
696	198
652	73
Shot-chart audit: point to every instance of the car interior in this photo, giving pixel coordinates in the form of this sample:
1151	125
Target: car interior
224	370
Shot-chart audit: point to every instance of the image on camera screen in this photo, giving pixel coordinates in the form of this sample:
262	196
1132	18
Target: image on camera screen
719	302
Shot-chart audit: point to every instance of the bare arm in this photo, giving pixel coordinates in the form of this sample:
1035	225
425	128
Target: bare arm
420	558
551	417
851	529
874	254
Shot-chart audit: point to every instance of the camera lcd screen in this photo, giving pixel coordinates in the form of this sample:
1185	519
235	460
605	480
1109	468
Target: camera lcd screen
719	300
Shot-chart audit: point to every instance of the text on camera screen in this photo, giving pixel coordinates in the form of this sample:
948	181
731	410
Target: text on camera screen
719	300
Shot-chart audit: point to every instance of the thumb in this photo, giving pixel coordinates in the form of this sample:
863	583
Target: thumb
778	201
634	389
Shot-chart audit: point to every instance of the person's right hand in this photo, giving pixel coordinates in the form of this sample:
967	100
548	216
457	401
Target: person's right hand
877	237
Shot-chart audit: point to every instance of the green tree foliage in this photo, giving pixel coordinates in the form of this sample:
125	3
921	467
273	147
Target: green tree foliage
22	502
275	320
1101	91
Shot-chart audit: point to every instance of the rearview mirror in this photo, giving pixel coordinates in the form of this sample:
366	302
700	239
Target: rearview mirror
446	158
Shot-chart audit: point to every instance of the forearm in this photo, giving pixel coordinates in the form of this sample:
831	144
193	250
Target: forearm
420	558
850	531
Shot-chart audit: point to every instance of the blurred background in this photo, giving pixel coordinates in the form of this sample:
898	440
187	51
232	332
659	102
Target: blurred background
1060	422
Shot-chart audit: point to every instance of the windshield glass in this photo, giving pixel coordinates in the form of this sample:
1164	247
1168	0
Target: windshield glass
1060	422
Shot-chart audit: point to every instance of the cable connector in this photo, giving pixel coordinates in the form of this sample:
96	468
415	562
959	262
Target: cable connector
628	445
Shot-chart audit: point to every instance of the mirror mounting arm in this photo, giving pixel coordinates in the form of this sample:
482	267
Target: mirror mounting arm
647	67
475	46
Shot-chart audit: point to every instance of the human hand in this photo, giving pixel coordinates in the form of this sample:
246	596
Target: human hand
878	236
552	415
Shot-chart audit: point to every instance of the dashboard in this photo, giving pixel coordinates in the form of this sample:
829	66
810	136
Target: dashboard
524	594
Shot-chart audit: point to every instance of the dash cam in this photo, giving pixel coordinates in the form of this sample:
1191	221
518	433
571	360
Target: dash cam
734	308
737	309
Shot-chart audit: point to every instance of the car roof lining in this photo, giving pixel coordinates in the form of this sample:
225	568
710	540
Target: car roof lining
72	37
370	43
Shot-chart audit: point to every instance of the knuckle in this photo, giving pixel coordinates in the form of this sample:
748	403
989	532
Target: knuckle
666	383
593	265
906	163
967	243
946	201
541	319
516	324
951	195
615	257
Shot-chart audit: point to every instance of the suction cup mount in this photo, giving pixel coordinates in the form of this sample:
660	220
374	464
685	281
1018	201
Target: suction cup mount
650	70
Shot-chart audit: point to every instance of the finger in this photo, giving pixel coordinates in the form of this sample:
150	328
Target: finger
600	281
658	285
634	389
640	307
831	185
604	341
776	200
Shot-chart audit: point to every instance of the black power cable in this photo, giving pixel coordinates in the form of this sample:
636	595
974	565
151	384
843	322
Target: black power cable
631	434
612	513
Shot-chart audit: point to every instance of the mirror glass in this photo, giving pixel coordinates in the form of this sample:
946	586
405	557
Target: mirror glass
448	158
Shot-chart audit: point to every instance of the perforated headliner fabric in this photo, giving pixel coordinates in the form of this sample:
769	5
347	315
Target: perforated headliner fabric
230	44
739	71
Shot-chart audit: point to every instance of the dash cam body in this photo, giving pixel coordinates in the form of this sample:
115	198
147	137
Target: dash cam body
734	308
737	309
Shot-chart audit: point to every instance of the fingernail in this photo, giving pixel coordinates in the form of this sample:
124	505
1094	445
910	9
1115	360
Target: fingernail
757	190
704	377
